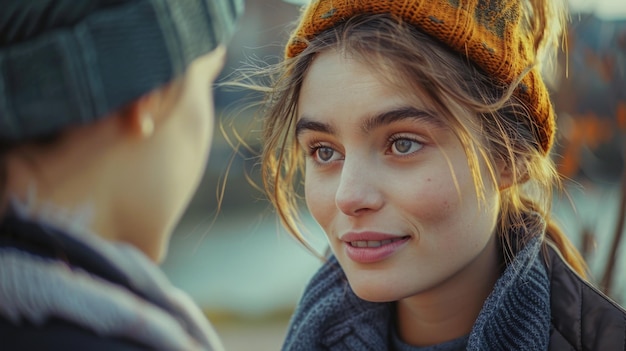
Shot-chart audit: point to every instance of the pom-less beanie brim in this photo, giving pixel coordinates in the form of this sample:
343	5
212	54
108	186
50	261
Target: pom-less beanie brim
78	73
490	33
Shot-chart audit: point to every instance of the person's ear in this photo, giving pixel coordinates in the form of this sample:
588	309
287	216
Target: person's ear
511	173
139	117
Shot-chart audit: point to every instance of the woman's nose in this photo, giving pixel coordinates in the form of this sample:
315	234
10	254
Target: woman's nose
358	190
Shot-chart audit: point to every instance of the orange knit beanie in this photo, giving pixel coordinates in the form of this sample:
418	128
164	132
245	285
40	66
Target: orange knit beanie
488	32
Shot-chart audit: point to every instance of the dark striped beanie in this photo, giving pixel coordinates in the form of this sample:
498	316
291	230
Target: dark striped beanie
66	62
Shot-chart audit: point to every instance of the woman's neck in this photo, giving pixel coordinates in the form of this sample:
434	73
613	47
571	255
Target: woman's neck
449	310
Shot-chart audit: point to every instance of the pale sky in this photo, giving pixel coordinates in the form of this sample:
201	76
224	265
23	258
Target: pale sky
606	9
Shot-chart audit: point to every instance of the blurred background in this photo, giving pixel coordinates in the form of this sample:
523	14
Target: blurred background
247	273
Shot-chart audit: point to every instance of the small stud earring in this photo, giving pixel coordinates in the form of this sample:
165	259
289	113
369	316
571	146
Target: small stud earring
147	125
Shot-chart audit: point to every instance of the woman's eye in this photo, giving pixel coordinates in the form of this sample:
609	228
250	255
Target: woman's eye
404	146
325	154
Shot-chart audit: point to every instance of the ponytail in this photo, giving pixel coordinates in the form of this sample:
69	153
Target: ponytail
566	248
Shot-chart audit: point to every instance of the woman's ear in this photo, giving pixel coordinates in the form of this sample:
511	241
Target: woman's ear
138	118
511	173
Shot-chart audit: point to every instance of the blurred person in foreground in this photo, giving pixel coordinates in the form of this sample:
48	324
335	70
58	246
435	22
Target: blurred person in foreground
423	132
106	121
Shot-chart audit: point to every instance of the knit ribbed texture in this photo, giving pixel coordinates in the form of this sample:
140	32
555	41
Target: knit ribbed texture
147	310
81	66
331	317
516	316
488	32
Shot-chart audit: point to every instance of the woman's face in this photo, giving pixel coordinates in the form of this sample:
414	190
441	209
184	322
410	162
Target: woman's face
389	184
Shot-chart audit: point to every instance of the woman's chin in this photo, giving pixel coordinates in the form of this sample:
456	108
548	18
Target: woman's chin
373	292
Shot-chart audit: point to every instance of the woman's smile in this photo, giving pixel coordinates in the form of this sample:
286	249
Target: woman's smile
370	247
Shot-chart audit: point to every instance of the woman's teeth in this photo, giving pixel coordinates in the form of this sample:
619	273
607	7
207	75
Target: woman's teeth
372	243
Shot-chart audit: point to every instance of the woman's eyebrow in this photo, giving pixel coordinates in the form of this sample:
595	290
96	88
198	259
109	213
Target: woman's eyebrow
305	124
376	121
399	114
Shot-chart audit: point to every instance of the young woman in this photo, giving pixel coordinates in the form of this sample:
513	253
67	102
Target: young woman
106	121
423	131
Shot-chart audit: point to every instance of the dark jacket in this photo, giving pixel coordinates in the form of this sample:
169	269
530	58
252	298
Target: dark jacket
67	313
558	312
582	317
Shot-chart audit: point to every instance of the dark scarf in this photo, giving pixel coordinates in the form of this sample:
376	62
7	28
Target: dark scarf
111	289
516	316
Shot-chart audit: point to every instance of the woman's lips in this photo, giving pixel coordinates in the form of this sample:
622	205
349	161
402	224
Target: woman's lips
372	247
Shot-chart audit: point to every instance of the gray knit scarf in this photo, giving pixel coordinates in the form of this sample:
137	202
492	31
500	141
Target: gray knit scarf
35	288
516	315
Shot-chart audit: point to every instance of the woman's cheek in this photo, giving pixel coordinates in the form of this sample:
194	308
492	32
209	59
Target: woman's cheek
423	193
320	198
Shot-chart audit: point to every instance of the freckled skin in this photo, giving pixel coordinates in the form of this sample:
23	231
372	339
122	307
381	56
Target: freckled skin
451	237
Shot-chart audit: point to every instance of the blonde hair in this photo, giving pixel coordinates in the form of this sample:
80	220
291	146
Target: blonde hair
499	129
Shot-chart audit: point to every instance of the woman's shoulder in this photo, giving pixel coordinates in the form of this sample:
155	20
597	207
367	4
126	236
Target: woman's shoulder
57	294
32	256
582	316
